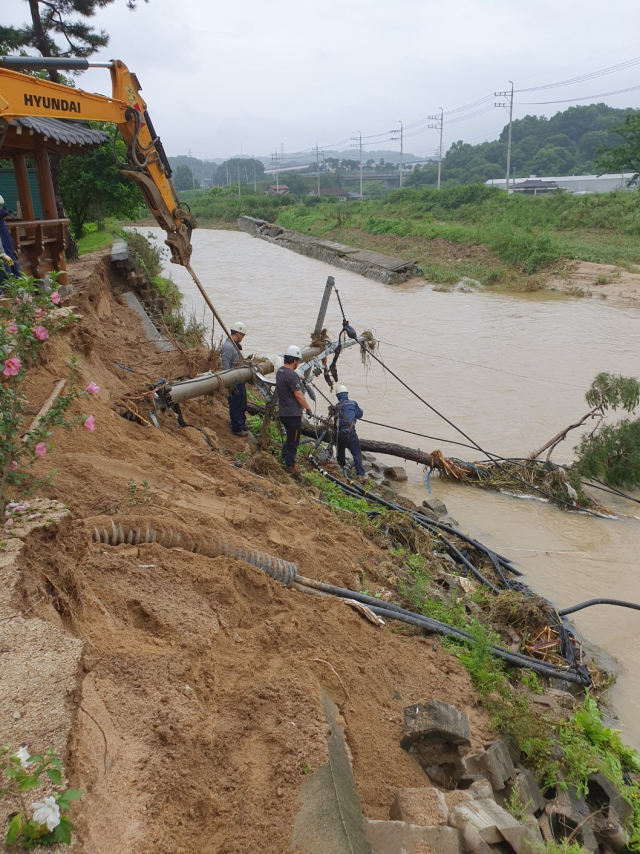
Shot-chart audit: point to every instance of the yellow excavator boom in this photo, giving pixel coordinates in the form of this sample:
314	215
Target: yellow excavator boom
147	163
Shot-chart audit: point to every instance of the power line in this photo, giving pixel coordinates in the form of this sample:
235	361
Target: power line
585	98
482	105
622	66
476	365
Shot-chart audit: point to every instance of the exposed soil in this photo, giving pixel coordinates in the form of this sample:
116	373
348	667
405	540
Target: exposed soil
198	711
599	280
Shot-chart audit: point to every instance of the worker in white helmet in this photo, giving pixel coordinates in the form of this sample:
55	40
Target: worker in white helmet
8	256
347	413
291	404
237	394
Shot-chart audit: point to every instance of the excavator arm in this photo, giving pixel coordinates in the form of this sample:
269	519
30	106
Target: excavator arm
147	163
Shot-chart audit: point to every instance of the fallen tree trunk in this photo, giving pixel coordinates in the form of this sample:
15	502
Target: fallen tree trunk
371	445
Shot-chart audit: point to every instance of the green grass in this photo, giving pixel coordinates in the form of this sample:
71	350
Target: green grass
94	240
525	232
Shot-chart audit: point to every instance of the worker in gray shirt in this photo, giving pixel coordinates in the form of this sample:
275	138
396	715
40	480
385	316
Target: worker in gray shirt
291	404
238	394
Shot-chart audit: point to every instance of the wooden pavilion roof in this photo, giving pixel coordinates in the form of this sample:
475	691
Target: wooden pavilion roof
60	137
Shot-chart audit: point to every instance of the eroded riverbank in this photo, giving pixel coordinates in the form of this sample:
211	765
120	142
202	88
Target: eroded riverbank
510	370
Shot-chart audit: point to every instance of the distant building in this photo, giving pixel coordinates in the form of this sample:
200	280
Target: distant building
332	193
280	190
535	187
578	184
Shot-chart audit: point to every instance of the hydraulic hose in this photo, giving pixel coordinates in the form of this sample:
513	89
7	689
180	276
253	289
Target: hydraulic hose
430	525
619	602
395	612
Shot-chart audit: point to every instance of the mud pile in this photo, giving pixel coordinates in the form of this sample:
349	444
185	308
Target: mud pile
197	704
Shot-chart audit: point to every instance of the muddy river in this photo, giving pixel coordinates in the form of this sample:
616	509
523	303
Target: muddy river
510	370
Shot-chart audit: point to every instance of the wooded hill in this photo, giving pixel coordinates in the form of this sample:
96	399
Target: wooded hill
565	144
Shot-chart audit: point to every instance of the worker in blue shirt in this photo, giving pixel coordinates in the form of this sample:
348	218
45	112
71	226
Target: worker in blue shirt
347	413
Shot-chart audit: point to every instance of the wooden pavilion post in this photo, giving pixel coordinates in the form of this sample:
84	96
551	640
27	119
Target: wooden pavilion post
26	209
50	212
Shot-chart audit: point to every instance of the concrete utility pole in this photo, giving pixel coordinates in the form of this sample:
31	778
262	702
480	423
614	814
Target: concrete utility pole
255	184
396	138
274	160
510	96
318	165
439	127
358	139
239	187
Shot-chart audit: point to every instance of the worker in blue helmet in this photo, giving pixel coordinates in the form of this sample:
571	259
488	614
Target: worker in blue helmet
347	413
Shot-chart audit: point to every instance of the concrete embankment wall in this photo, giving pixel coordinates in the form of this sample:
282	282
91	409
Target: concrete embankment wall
373	265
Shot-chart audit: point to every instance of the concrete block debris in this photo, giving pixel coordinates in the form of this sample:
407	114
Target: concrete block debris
494	763
435	505
483	823
439	737
395	473
425	806
400	837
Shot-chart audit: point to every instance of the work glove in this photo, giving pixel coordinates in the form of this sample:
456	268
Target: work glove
309	413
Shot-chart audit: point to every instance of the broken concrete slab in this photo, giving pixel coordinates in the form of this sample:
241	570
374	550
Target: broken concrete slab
608	829
602	793
400	837
150	330
330	818
481	789
395	473
373	265
568	817
425	806
525	787
439	737
484	821
494	763
435	505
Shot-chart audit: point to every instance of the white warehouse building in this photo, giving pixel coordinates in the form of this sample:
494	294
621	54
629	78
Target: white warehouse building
573	183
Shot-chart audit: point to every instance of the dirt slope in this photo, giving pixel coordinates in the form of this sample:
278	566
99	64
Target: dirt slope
198	713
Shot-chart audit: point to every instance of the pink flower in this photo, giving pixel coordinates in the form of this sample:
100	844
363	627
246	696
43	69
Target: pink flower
92	388
14	465
12	367
41	449
40	333
11	327
55	298
8	523
90	423
38	313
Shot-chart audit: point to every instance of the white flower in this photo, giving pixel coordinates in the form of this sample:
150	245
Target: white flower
23	756
47	813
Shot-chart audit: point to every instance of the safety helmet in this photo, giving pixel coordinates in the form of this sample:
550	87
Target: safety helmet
238	326
1	200
342	389
294	351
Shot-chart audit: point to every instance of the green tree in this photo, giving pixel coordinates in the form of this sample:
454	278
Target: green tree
184	180
93	189
552	160
626	156
58	28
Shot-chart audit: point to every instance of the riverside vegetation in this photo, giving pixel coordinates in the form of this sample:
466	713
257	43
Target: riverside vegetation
471	231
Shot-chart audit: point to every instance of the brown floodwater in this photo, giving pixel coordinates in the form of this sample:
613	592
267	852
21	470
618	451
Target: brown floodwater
510	370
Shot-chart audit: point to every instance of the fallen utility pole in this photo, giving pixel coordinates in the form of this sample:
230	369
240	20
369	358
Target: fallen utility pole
414	455
170	395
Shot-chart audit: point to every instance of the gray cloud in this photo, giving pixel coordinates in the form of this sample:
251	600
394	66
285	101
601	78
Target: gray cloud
224	77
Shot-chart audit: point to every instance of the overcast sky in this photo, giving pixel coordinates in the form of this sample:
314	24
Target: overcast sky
220	78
